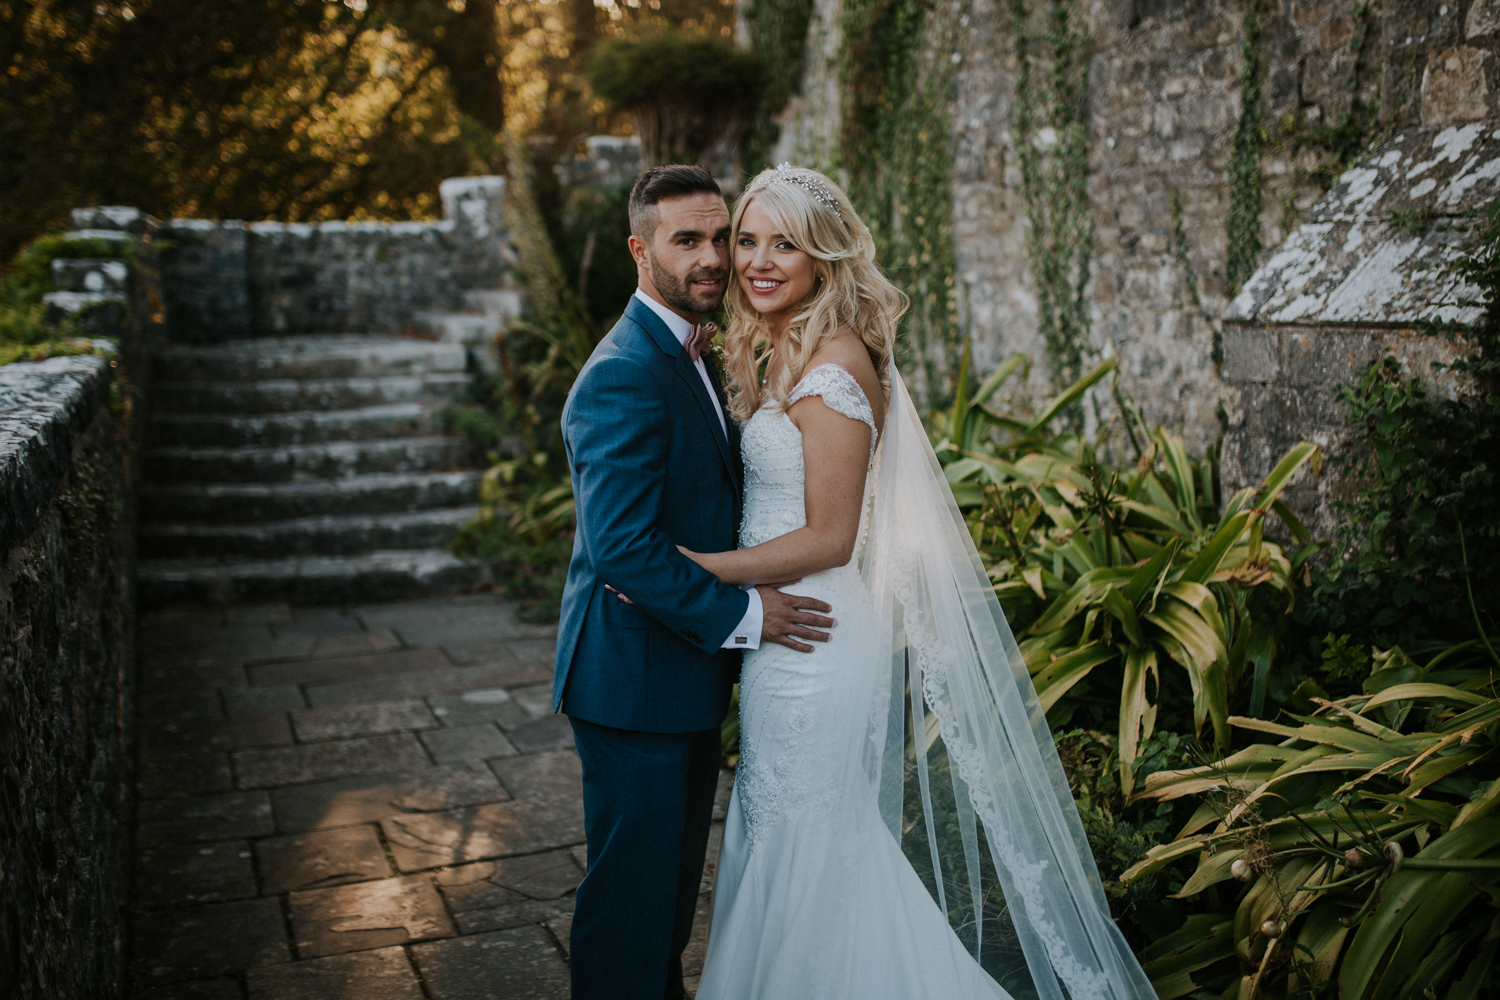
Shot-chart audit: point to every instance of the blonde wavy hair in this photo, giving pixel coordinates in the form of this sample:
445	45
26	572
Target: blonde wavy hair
850	292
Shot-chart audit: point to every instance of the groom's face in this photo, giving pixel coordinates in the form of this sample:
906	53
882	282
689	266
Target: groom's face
687	260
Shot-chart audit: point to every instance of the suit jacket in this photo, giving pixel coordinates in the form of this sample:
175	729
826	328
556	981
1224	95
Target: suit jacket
652	469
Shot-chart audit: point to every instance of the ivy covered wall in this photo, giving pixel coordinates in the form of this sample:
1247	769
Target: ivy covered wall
1113	169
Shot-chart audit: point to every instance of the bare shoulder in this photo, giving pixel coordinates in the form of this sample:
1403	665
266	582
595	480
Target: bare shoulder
847	351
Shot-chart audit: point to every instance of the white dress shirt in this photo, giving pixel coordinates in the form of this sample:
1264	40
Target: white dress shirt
747	634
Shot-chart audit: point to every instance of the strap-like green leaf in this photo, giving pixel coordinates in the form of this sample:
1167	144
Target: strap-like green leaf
1206	562
1144	577
1072	394
1054	680
1276	480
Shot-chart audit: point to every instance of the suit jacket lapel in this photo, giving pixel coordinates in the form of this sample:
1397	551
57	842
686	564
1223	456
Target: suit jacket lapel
657	330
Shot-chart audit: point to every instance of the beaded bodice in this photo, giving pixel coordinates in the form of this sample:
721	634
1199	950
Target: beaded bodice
771	446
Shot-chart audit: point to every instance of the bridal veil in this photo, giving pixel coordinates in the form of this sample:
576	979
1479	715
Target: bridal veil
969	778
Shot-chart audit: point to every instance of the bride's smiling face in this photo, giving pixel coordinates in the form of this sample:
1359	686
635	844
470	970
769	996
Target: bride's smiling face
775	275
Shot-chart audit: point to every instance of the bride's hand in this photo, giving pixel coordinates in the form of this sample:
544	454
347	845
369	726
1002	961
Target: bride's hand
618	594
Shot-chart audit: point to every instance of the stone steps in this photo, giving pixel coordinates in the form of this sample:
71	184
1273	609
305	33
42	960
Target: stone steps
328	460
311	357
370	423
310	469
293	395
339	534
370	576
393	493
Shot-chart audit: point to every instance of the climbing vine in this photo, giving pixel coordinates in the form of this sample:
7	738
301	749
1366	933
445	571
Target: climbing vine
1052	149
778	37
896	148
1243	225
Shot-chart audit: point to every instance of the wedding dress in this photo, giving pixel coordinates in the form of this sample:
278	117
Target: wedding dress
898	740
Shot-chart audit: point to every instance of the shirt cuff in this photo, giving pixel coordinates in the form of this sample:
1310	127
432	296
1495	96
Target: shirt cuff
746	634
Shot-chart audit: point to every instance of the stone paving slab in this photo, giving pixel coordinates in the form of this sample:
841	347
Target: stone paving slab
368	915
365	803
362	720
375	797
382	974
209	941
209	817
168	874
343	668
319	859
518	964
335	759
359	692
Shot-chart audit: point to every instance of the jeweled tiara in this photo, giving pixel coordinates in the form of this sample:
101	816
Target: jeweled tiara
806	181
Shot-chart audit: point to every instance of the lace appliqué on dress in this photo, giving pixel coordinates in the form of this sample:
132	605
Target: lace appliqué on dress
841	393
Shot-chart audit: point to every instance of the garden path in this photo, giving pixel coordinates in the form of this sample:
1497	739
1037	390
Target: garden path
371	803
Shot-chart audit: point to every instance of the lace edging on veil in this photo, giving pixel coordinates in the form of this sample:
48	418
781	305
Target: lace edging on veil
961	714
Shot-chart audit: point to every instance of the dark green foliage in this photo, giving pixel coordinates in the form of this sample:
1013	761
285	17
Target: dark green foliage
1052	87
590	233
778	37
525	526
1400	576
239	109
682	91
897	148
24	333
1243	225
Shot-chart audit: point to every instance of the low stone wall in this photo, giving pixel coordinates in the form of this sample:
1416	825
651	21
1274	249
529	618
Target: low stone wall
66	682
222	280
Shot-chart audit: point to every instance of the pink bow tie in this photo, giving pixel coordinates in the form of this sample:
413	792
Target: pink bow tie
698	340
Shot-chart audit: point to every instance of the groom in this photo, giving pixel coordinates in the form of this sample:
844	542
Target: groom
655	463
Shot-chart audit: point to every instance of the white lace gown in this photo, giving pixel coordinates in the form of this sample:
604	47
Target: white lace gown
814	899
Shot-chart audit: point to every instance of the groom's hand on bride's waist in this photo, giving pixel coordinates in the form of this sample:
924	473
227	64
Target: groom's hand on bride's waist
789	618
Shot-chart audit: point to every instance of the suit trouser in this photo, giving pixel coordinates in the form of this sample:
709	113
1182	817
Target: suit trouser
647	805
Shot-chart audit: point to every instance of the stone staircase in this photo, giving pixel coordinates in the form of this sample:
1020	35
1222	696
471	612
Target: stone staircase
310	469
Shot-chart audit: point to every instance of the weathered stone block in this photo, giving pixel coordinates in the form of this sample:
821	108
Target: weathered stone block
416	685
368	915
1251	354
176	874
459	708
486	885
209	817
318	762
214	940
320	859
406	661
362	720
382	974
239	700
519	964
364	799
477	742
185	774
524	826
554	732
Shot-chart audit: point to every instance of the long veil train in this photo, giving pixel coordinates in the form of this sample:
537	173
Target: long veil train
969	778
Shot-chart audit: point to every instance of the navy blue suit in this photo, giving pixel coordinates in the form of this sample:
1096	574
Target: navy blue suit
645	685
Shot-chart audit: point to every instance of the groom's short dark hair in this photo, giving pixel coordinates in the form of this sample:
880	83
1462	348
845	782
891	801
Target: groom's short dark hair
657	184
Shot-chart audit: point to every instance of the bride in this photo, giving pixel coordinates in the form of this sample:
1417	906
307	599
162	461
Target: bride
900	825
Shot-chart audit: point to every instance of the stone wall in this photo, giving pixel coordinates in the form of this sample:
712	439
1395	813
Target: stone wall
1163	105
1345	290
222	280
66	682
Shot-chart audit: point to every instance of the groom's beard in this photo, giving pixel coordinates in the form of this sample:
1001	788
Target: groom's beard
678	292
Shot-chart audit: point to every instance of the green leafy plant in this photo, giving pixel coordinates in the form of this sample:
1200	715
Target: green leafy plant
525	525
896	144
1107	574
1364	843
1052	149
681	91
25	333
